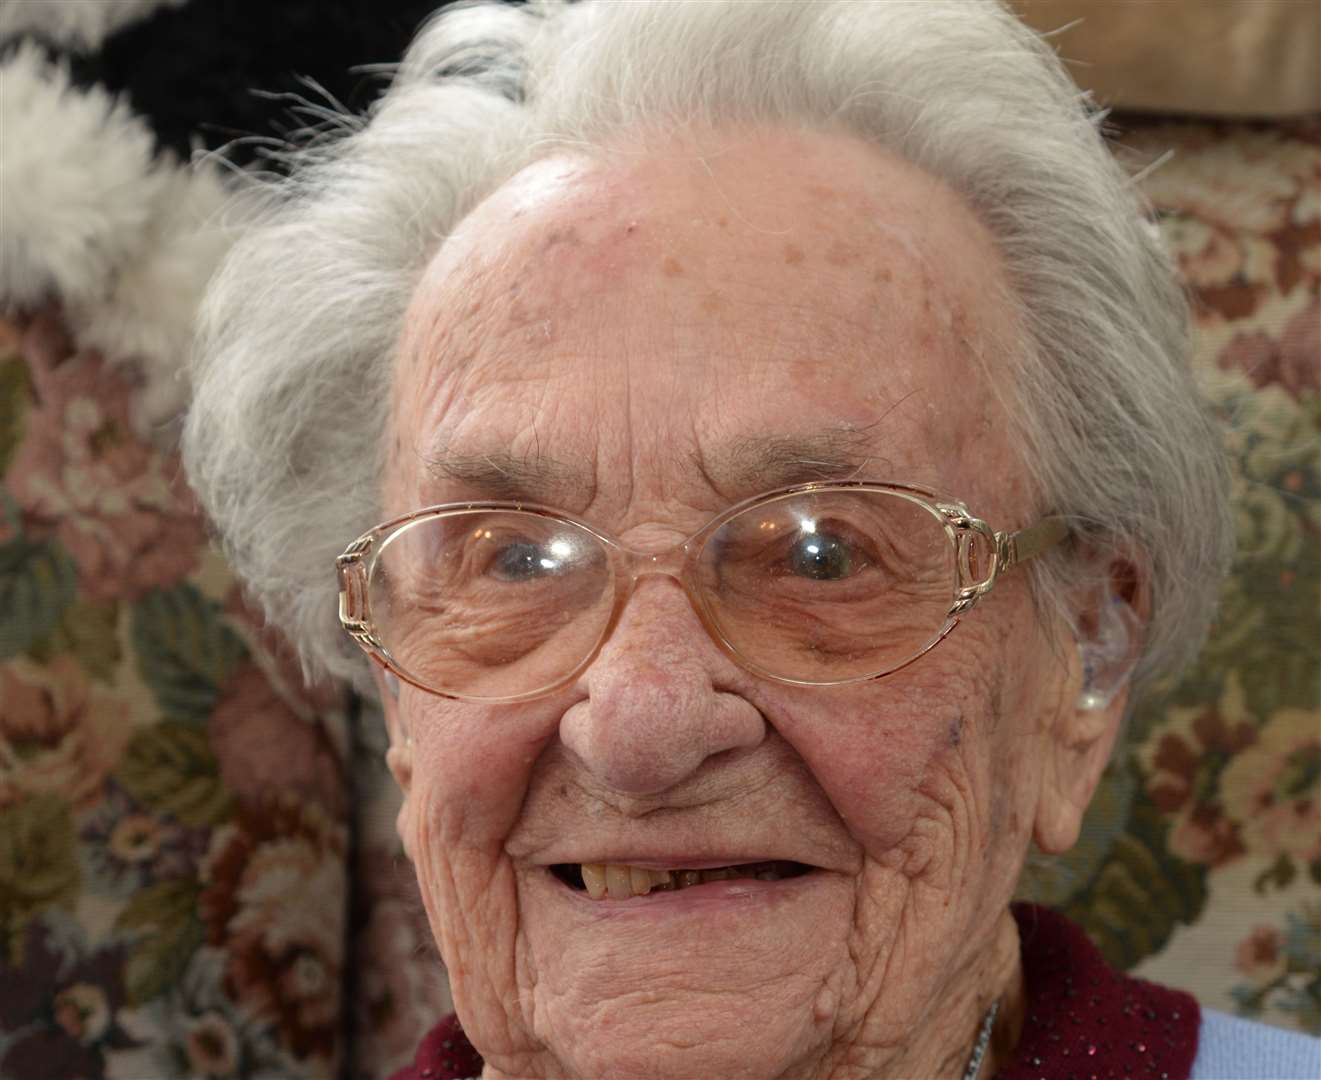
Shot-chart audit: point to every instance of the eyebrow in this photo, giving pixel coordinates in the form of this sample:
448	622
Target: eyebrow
736	469
499	474
753	464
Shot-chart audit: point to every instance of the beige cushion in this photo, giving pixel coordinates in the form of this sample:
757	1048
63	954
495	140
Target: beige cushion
1208	57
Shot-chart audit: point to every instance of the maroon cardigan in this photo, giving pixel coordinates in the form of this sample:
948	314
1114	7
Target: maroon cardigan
1083	1019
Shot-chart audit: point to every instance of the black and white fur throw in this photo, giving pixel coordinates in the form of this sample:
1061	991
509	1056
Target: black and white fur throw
121	124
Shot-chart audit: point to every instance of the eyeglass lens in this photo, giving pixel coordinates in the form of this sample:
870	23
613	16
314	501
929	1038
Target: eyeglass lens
815	587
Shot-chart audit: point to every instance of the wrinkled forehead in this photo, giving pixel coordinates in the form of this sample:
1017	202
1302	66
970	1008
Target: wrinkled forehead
776	285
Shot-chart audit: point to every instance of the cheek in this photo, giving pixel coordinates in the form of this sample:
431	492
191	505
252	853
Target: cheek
927	769
471	768
470	773
906	777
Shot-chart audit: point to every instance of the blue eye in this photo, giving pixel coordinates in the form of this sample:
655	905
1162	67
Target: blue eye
524	561
821	557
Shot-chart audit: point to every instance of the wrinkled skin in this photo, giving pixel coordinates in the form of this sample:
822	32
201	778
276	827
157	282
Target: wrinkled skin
632	315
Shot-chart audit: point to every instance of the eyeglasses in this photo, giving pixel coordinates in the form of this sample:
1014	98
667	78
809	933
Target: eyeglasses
815	585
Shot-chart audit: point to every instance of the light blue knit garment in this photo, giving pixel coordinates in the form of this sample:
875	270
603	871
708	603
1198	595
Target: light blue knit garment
1229	1048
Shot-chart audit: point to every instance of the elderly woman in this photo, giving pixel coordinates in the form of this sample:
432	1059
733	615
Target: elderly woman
786	466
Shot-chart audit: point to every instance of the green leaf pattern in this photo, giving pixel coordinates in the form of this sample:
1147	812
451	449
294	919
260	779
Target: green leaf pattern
38	866
38	583
164	920
170	769
184	651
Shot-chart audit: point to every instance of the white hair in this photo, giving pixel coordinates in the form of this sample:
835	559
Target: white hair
299	329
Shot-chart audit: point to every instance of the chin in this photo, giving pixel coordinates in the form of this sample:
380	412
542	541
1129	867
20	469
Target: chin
726	979
673	1044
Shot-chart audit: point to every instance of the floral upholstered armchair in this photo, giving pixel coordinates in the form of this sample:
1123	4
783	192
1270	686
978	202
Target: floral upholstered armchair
199	874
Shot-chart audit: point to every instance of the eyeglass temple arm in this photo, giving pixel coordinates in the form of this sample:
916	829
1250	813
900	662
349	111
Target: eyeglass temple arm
1028	543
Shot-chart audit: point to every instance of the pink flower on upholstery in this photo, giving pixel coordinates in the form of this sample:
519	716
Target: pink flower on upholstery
1290	360
1260	955
401	987
266	751
58	733
1236	211
1183	759
1227	268
1251	183
274	901
1273	789
118	506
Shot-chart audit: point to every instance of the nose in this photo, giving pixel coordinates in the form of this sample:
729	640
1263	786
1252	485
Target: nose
660	698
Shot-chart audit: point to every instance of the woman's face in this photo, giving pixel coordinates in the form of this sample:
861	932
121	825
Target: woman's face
643	339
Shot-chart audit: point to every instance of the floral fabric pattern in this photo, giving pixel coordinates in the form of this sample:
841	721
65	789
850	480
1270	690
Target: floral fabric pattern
173	803
199	874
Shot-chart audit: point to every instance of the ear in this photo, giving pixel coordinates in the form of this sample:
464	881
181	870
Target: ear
1107	629
399	756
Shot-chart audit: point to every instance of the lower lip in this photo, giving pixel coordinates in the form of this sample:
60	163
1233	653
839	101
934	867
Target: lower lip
735	894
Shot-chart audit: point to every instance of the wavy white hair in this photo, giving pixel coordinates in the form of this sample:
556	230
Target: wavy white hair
299	328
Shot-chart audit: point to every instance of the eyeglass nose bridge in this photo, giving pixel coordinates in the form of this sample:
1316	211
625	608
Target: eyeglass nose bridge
675	561
679	563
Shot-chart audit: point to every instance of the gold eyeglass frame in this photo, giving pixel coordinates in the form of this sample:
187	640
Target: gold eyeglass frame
981	555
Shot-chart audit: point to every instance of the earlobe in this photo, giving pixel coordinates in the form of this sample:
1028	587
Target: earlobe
1078	756
399	757
1108	636
399	760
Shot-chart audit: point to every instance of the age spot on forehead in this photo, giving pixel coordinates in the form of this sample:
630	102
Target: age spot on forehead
793	254
567	235
671	267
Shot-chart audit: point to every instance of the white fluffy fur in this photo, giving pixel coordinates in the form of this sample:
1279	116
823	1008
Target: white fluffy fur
78	183
298	332
77	25
92	219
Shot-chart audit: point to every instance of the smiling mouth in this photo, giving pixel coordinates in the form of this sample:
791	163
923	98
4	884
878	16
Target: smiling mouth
620	881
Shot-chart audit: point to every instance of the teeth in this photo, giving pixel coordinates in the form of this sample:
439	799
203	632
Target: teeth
641	880
594	879
620	881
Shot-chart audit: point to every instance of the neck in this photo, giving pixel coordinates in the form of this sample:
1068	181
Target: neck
1013	1006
